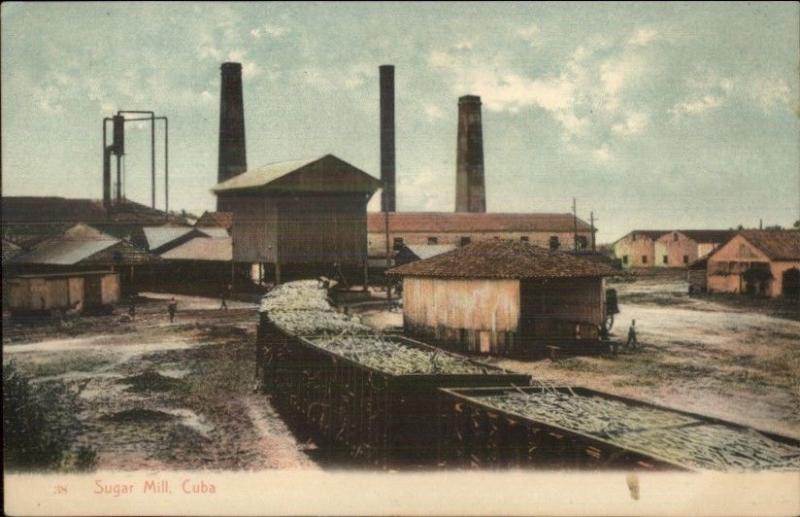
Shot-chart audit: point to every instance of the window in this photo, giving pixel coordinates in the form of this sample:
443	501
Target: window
554	242
665	259
625	259
465	241
524	238
675	237
686	259
433	240
644	259
398	243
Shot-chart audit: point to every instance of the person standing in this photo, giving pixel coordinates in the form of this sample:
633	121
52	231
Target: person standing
132	308
632	341
226	292
172	308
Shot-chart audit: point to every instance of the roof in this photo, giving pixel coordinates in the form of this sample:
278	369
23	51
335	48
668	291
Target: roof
503	259
775	244
30	209
221	219
471	222
10	250
159	236
214	232
82	244
423	251
705	236
322	174
202	248
650	234
62	274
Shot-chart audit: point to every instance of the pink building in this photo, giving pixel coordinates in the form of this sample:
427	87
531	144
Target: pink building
763	262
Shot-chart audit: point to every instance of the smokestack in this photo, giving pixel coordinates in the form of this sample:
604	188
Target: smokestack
470	191
232	152
387	138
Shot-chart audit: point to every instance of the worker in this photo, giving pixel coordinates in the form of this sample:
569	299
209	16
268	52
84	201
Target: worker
225	294
172	308
132	308
632	342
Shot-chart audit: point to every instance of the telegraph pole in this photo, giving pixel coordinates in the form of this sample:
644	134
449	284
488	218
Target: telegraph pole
591	221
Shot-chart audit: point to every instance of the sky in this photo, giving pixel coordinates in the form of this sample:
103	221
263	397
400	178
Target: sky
653	116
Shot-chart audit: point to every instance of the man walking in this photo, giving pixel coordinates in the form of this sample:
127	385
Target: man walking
172	308
632	342
226	292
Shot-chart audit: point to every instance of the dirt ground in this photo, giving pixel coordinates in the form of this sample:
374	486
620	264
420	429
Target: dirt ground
161	395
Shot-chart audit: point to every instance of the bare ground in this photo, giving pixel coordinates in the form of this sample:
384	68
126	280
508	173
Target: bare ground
160	395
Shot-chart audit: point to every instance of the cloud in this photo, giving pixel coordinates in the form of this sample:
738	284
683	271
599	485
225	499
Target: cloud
328	79
529	34
433	112
602	154
707	92
643	36
769	93
275	31
426	189
633	124
697	106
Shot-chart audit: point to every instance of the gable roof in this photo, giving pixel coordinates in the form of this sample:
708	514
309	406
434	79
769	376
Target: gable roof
49	209
158	237
471	222
220	219
503	259
202	248
423	251
322	174
214	232
775	244
704	236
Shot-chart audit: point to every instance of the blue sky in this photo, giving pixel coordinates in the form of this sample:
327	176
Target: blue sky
651	115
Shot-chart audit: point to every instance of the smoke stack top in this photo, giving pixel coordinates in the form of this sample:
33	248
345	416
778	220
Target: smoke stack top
232	152
470	190
387	138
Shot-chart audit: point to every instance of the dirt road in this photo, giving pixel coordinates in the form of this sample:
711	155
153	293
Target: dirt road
160	395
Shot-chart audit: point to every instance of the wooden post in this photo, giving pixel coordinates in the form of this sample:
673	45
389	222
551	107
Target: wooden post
277	272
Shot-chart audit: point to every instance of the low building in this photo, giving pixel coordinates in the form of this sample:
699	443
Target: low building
79	291
83	248
555	231
758	262
503	297
411	253
202	265
697	275
667	248
301	218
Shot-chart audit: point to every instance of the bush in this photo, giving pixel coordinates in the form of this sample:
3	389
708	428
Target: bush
38	422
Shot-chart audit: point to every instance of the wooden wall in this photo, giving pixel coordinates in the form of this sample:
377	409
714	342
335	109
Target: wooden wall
254	229
561	309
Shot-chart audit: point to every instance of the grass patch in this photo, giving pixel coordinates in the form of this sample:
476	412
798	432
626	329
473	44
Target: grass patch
149	381
63	363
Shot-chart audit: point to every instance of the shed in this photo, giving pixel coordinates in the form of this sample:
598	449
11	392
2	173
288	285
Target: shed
696	275
504	297
304	217
84	290
201	265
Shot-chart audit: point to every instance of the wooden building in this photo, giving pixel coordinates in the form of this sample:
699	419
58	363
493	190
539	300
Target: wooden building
202	265
555	231
69	290
504	297
758	262
300	218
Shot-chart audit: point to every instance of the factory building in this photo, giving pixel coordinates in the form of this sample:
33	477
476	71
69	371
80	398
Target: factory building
306	217
757	262
552	231
667	248
504	297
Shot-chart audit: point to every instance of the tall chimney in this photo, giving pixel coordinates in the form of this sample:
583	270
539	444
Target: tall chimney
470	191
387	138
232	152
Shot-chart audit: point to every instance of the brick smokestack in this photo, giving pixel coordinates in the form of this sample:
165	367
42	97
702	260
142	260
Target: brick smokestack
232	152
387	138
470	190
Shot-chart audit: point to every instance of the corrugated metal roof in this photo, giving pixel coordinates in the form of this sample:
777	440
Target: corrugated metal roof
214	232
222	219
158	236
776	244
202	248
322	174
503	259
467	222
64	252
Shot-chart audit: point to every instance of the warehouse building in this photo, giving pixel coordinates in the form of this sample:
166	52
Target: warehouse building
504	297
667	248
301	218
757	262
552	231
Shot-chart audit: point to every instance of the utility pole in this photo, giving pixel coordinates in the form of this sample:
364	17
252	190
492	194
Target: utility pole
591	221
575	224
